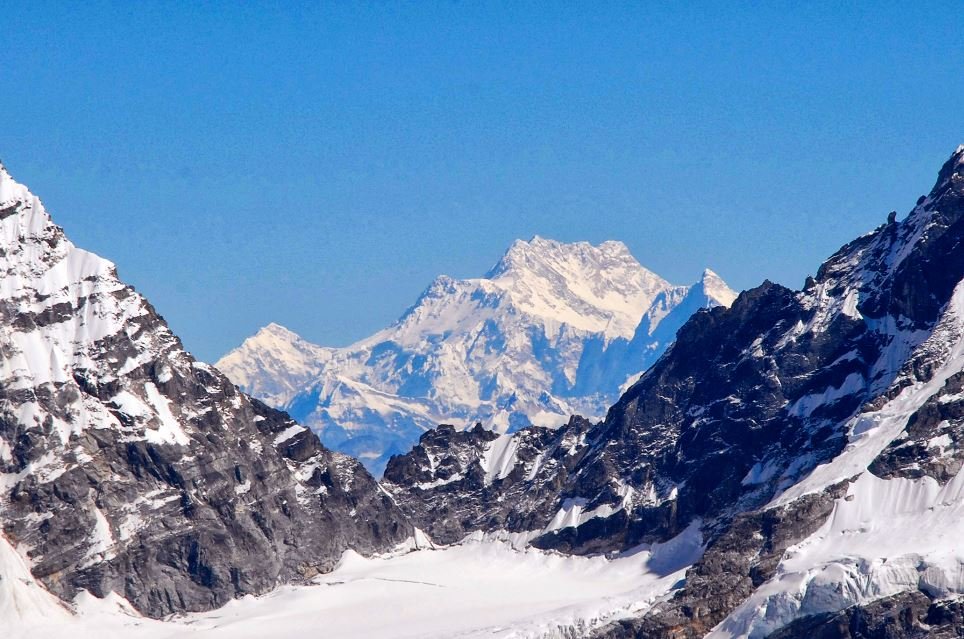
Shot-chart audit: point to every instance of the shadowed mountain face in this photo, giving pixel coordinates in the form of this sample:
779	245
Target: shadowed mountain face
759	423
553	329
127	466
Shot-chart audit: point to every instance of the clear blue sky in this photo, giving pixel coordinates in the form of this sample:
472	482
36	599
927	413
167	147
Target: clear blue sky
318	165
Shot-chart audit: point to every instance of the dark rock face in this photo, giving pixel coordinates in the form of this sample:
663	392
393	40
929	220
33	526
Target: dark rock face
746	403
736	563
447	469
681	444
911	615
127	466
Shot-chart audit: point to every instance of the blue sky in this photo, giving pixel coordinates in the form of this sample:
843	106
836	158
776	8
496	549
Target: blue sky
318	164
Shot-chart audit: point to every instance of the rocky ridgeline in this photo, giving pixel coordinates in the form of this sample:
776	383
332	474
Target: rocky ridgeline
782	431
741	428
127	466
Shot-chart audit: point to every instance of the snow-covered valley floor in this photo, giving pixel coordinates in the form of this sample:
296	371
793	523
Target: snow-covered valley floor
478	589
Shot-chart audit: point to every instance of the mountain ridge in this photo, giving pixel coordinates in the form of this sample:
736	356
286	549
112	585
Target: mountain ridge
813	436
791	466
127	466
552	329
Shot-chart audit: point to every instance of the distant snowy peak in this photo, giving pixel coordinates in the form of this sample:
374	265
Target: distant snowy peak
447	305
715	289
531	255
599	289
554	329
274	364
677	303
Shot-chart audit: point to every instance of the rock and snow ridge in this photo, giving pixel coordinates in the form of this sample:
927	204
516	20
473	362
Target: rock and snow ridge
127	466
553	329
811	433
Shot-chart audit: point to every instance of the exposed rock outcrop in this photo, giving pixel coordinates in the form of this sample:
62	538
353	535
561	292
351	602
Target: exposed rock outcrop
127	466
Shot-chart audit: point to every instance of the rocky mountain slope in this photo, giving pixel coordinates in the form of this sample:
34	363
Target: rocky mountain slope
127	466
813	437
552	330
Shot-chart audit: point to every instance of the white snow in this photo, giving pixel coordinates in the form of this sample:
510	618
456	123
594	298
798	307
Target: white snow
428	485
760	473
572	514
941	442
101	540
44	274
288	433
471	590
598	289
804	406
870	433
131	524
170	431
499	457
885	537
24	603
274	364
716	290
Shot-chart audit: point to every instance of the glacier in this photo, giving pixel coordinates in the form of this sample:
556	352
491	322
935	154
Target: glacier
473	589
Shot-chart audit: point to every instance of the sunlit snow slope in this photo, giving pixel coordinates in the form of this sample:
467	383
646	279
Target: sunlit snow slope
471	590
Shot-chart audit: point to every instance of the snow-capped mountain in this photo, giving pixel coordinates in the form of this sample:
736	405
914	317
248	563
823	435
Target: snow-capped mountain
814	438
552	330
128	467
274	364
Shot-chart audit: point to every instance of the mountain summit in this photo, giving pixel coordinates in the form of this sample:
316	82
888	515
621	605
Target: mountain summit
553	329
791	466
275	363
599	289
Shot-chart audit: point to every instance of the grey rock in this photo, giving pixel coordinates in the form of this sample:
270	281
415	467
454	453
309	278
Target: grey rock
743	557
910	615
